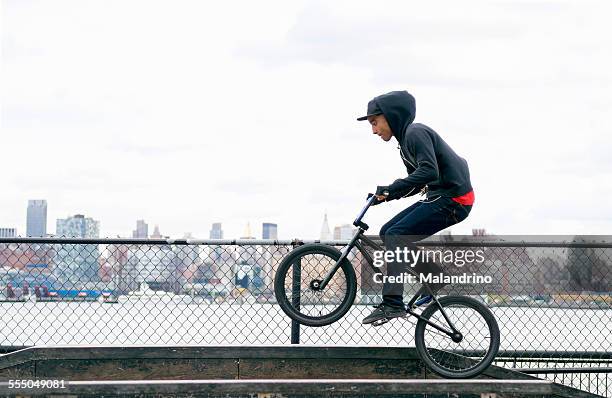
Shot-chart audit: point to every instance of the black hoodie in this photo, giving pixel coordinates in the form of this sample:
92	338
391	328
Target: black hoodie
428	158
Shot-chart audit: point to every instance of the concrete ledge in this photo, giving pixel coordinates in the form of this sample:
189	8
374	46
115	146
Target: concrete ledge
324	387
212	351
175	367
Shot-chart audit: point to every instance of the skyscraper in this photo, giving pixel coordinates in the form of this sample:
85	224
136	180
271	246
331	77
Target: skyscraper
270	231
141	231
325	232
247	232
216	232
220	258
37	218
77	264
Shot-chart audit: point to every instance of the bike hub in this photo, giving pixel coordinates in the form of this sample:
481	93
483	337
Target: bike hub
456	337
316	284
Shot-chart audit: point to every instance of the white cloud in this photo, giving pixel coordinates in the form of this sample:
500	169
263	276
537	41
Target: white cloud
187	113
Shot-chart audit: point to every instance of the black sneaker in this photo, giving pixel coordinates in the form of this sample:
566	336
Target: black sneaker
383	314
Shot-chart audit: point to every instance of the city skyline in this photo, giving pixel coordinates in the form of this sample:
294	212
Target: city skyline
78	225
69	228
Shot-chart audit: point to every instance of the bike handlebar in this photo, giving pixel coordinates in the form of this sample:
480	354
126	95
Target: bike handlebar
357	221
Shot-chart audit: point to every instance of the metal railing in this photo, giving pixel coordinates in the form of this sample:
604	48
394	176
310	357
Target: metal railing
588	371
551	297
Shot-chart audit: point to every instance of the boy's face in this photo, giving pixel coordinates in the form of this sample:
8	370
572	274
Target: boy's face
380	127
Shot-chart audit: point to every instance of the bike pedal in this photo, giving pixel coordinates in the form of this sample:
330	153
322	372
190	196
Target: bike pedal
380	322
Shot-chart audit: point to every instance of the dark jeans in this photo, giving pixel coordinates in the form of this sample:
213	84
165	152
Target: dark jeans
422	219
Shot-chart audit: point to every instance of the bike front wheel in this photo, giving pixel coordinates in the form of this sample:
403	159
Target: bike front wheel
472	350
297	278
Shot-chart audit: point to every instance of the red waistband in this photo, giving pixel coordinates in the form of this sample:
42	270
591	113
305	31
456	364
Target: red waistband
467	199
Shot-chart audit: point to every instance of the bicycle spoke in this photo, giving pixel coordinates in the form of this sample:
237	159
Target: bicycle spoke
465	355
436	331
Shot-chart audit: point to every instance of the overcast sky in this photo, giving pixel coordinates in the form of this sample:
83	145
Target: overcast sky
185	113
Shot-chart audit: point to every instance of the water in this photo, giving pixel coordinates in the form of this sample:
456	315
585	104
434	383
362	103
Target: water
159	323
146	322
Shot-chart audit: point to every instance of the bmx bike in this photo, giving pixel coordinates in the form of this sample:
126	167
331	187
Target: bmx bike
315	285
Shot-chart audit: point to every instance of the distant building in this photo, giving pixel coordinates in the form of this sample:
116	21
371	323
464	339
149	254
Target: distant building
36	223
221	261
156	265
273	258
189	258
141	231
247	270
157	235
344	232
216	232
77	264
78	226
115	266
8	232
269	231
27	264
247	232
325	232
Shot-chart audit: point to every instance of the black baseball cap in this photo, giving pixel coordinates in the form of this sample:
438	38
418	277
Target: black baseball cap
373	109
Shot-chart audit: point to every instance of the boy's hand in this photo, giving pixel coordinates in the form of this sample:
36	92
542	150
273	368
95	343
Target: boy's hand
379	199
382	194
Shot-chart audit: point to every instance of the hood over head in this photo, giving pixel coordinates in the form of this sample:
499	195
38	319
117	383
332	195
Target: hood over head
399	108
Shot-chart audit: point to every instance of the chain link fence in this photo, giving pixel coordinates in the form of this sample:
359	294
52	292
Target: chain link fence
551	299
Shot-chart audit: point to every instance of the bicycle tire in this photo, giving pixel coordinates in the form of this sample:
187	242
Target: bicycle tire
286	304
428	355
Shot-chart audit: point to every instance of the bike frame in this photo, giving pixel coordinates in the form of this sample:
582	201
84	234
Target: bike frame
358	240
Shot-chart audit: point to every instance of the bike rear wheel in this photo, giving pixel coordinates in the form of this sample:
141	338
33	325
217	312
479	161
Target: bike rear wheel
302	301
479	337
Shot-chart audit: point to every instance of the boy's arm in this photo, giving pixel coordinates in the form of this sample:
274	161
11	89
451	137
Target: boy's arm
426	169
403	193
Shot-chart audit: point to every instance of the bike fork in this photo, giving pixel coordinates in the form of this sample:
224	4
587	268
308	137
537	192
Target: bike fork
345	251
332	272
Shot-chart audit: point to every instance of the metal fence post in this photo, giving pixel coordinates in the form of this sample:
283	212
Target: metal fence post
295	300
